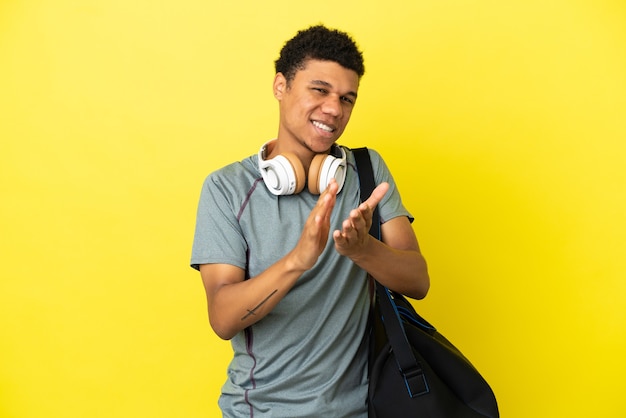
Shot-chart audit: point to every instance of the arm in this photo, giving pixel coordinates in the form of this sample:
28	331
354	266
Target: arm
396	261
235	303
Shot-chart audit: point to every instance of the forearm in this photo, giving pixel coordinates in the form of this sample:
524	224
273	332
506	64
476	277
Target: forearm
396	260
238	305
404	271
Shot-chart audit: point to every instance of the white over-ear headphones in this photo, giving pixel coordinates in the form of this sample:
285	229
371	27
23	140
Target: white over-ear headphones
284	174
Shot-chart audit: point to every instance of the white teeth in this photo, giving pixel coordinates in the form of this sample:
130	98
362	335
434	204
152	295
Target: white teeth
322	126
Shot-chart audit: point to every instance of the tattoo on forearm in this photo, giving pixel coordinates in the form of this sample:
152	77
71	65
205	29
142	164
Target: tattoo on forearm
253	310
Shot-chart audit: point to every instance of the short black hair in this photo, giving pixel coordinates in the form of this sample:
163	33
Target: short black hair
320	43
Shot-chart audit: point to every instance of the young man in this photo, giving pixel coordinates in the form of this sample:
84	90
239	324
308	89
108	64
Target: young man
284	267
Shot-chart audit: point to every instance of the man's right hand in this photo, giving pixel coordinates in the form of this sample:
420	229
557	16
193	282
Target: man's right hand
315	234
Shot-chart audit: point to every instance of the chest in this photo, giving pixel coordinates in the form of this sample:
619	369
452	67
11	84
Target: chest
272	225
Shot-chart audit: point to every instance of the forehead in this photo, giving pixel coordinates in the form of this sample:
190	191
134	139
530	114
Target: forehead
328	72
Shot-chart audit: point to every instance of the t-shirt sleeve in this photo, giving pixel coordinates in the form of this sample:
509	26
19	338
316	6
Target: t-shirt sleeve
218	237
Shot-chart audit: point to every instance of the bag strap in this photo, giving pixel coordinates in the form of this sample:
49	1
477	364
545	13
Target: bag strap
367	184
410	368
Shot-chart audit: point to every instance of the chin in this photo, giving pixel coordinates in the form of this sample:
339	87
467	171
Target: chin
321	146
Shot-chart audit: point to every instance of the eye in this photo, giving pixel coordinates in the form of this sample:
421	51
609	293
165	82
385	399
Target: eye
347	99
319	90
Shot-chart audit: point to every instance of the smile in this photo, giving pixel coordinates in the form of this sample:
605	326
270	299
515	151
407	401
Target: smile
323	127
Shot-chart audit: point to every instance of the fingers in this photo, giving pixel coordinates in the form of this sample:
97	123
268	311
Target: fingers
326	198
376	196
361	217
326	202
355	222
353	228
354	232
321	213
314	235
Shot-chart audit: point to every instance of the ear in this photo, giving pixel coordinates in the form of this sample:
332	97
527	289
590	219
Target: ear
280	85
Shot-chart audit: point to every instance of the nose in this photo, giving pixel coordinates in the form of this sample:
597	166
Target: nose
332	106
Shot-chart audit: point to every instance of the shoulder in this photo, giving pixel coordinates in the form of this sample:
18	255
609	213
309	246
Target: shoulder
235	175
243	168
375	156
379	166
231	183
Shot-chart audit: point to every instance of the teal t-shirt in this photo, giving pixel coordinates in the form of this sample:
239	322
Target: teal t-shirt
308	357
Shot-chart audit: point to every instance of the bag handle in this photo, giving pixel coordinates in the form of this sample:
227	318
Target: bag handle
410	368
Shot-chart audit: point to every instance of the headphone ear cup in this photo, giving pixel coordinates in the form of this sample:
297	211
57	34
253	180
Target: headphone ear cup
324	168
315	171
283	174
297	169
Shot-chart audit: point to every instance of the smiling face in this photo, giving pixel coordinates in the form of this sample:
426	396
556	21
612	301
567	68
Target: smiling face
315	106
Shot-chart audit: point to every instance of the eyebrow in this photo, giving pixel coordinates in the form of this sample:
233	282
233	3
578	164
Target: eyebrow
327	84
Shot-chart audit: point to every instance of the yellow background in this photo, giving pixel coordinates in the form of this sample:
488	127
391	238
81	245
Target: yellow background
503	122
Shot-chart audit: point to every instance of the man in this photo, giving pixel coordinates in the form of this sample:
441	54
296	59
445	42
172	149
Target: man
286	270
